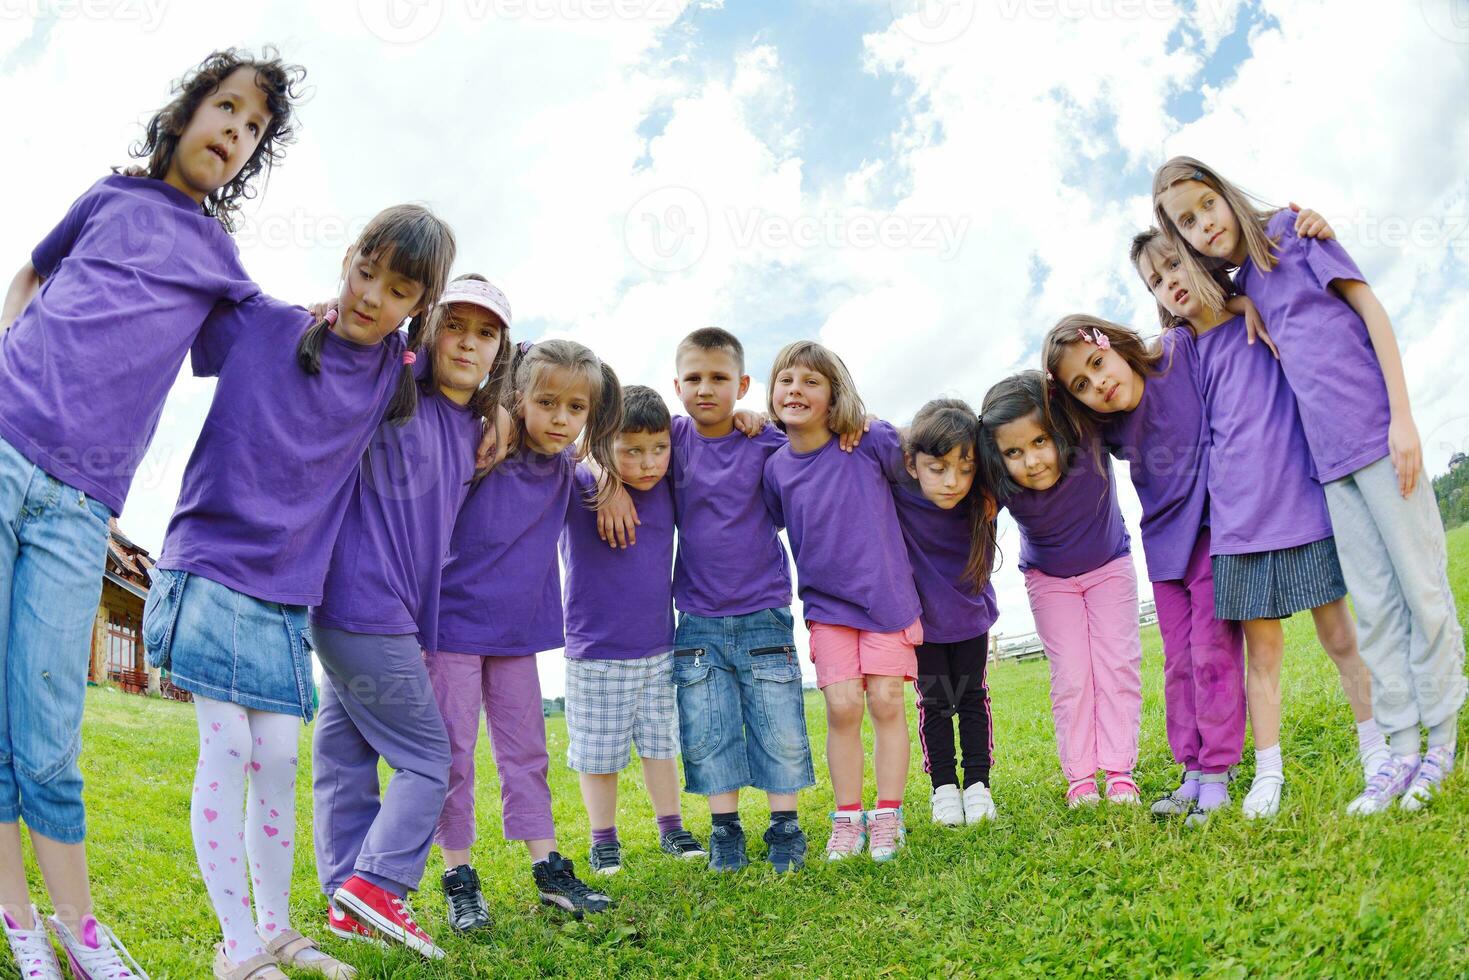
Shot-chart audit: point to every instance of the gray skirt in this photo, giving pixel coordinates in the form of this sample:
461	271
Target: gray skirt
1277	584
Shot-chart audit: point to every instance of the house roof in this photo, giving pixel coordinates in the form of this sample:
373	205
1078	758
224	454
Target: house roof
126	561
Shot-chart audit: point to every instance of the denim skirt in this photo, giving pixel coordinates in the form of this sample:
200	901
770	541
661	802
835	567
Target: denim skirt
227	646
1277	584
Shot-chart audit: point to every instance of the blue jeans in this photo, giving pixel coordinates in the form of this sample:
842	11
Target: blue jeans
741	710
53	548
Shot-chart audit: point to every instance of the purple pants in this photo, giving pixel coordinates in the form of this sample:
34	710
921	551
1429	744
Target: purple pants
377	703
1203	669
509	690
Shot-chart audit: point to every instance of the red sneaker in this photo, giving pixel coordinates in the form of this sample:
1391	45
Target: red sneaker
345	925
386	914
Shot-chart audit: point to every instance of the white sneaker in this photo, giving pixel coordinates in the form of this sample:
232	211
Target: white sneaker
979	805
946	806
1437	763
1373	761
32	949
1263	799
97	954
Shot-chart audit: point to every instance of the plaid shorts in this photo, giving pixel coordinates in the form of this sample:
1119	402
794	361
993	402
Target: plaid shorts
610	704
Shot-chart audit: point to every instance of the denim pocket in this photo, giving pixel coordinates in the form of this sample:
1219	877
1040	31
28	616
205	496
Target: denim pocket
781	701
698	704
161	614
776	664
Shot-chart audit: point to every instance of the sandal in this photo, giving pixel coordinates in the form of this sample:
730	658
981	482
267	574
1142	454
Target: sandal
1121	788
288	947
261	967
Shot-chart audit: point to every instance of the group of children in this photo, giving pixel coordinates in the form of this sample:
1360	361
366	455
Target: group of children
402	502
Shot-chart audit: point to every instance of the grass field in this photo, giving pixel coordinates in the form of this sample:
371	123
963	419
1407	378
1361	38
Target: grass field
1043	892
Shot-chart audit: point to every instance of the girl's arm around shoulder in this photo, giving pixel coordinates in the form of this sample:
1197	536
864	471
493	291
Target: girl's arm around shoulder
884	443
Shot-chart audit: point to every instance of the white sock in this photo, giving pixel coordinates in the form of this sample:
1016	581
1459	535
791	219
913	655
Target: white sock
1267	763
1369	739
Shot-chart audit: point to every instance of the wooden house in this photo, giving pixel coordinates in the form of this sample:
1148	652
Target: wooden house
117	634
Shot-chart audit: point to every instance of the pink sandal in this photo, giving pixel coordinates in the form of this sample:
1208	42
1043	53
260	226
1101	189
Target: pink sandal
1121	788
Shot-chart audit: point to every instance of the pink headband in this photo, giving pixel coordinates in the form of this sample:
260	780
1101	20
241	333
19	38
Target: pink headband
477	293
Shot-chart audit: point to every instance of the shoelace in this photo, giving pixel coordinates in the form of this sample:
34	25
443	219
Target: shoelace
845	835
401	909
34	955
462	900
882	831
569	884
106	962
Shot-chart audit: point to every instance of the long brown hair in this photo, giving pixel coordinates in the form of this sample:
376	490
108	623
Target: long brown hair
1156	248
418	245
1009	400
1250	213
533	362
282	85
939	427
1082	328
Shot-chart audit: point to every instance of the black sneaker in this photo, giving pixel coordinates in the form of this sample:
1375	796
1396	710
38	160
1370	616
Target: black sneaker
681	844
787	844
558	884
727	847
605	858
467	909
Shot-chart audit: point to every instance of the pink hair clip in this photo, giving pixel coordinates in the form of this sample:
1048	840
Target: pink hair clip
409	357
330	317
1095	337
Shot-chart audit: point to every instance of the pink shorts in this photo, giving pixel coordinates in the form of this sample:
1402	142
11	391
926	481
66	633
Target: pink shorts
842	653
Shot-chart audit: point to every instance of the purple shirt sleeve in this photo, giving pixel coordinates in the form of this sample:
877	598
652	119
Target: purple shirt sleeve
49	252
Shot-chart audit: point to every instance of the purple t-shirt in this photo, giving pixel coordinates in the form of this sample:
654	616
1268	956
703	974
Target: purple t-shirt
1324	348
1262	496
837	508
130	274
1076	526
938	543
389	559
502	587
268	483
1165	441
619	601
730	560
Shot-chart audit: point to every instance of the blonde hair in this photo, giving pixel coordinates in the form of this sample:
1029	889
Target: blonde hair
1155	247
846	413
1251	214
533	363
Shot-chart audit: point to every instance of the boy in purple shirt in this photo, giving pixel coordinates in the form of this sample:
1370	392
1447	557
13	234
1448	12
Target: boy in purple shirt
619	640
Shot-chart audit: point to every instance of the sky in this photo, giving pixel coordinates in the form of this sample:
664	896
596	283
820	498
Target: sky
923	185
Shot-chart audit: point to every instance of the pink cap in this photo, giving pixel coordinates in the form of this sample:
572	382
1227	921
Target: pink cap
485	295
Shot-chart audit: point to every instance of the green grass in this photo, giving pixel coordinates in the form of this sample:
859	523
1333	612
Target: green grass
1043	892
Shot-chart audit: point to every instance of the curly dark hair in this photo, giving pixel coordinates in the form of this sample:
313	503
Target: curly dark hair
282	85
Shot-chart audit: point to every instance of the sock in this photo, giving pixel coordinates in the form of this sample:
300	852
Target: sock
1189	788
1213	791
672	822
1404	744
217	822
604	834
1267	763
849	807
1370	740
730	819
782	816
1445	733
888	804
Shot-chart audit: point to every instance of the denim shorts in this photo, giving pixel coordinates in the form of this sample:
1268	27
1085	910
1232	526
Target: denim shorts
741	710
227	646
53	550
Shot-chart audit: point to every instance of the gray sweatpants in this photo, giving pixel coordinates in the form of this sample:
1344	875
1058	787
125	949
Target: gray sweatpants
1395	562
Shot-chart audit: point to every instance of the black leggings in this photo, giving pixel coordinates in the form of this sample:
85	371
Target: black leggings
951	682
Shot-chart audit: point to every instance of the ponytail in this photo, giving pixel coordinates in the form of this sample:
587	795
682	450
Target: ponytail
308	348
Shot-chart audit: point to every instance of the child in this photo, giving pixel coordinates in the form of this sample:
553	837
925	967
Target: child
856	588
381	609
742	716
501	604
109	303
1077	560
619	640
1151	409
950	540
1270	540
247	550
1366	453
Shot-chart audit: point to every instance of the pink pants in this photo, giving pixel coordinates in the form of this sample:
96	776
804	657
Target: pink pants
1088	624
1203	669
509	690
